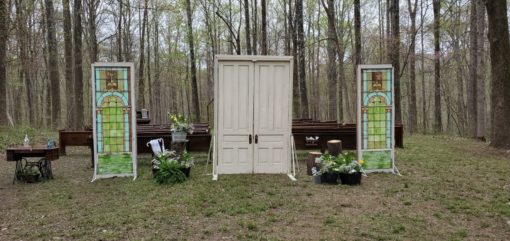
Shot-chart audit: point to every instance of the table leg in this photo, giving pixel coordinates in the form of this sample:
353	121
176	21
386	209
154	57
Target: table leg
17	171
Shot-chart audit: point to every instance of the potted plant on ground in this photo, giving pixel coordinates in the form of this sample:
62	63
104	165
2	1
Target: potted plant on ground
186	162
327	169
30	174
169	172
162	156
351	170
180	127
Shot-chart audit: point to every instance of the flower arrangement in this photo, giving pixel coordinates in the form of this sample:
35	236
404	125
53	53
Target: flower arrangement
344	163
180	123
186	160
169	172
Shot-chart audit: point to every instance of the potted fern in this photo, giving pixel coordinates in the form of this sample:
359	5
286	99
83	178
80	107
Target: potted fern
186	162
169	172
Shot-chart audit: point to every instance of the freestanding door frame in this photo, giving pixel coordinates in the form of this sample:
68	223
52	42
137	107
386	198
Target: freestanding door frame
256	77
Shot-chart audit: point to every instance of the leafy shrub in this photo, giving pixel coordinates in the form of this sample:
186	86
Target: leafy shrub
169	172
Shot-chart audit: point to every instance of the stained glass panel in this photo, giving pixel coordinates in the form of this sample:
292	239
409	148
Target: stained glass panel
376	116
113	121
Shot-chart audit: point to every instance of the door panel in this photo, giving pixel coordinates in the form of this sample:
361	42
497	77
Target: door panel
235	120
271	117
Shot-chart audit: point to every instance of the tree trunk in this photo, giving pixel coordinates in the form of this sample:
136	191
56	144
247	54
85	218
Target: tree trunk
24	52
437	67
141	67
480	72
119	32
264	27
92	8
500	60
395	56
423	95
357	35
78	71
413	112
68	56
473	57
54	77
295	79
332	76
247	26
301	51
3	54
194	85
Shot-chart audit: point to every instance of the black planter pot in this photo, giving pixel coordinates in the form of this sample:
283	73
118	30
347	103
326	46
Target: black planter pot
154	171
329	178
186	171
351	179
31	178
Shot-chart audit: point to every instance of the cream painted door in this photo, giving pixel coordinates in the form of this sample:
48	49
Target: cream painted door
235	118
272	121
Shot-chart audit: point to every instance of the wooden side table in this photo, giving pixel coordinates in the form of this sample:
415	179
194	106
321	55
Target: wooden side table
18	154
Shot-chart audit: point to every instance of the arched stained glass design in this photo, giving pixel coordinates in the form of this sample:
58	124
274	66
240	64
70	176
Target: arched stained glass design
375	116
113	127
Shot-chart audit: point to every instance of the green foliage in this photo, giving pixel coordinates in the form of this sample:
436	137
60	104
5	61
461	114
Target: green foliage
169	173
31	170
344	163
186	160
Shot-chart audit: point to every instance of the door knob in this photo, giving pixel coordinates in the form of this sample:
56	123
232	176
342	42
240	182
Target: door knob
249	139
256	139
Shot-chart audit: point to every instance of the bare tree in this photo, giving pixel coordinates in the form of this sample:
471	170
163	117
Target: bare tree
53	64
247	26
499	40
78	71
141	68
264	26
68	57
194	85
395	55
413	112
3	54
332	43
436	5
301	51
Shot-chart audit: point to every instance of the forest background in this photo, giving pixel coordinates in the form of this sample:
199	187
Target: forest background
445	80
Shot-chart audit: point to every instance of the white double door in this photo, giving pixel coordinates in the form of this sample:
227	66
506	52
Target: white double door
254	117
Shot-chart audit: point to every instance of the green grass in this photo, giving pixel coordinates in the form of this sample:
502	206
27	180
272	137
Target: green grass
451	189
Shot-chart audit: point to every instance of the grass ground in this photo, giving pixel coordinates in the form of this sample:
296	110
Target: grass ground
450	189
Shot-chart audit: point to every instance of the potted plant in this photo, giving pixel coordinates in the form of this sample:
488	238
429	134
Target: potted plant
317	175
180	127
169	172
186	162
351	170
327	169
30	174
162	156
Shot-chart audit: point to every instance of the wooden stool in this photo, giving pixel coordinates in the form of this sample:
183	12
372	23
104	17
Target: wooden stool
334	147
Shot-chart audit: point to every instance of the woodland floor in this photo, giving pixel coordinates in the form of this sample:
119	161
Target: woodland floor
450	189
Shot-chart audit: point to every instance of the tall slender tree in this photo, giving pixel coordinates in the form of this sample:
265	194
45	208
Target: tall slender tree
332	76
68	59
194	85
413	112
302	66
264	26
395	55
141	66
54	76
78	71
247	26
480	73
436	5
499	40
3	56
